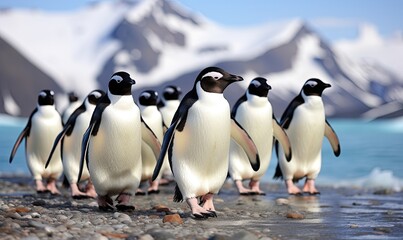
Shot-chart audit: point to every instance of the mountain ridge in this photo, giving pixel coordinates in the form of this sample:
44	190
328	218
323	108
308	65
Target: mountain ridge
160	42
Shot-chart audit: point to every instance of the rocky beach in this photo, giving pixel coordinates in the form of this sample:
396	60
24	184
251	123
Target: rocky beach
337	213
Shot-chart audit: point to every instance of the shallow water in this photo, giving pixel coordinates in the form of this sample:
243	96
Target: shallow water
371	154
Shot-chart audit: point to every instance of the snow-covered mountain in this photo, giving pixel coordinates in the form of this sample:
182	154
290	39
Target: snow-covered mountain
159	43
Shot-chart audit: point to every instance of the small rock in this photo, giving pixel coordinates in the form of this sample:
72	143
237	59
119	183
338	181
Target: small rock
382	229
282	201
13	215
162	208
146	237
39	202
114	235
244	235
354	226
173	218
295	215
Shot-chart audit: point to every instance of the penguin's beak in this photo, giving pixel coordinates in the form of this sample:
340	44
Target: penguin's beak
236	78
132	81
326	85
268	87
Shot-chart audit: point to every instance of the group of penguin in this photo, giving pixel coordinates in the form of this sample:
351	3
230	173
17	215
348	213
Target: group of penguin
113	144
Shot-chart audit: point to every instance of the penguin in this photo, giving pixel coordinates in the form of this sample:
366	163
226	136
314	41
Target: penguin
71	137
305	123
148	108
111	145
254	113
74	103
198	142
42	127
167	105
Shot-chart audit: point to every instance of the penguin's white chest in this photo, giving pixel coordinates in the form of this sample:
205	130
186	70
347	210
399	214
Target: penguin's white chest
307	129
257	120
46	125
200	150
115	152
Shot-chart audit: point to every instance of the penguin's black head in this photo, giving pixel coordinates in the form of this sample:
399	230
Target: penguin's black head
46	97
215	80
259	87
73	97
172	92
314	87
148	98
95	95
121	84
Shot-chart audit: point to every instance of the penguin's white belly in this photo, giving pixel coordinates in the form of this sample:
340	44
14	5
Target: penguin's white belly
257	122
39	143
115	152
168	111
153	118
200	151
305	133
72	150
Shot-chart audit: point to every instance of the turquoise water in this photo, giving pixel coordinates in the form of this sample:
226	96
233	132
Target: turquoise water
371	154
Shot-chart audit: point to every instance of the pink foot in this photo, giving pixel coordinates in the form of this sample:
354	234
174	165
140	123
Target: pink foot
198	211
90	190
291	188
40	188
309	187
255	187
124	202
76	193
241	189
51	186
153	189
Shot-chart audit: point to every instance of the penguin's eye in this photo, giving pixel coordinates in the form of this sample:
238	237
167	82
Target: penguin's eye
255	83
311	83
214	75
117	78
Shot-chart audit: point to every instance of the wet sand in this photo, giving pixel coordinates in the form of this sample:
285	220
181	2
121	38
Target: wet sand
343	213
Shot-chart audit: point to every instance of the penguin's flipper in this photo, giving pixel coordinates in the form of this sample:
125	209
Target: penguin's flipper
282	137
166	142
245	141
92	130
24	133
58	139
84	149
150	138
333	139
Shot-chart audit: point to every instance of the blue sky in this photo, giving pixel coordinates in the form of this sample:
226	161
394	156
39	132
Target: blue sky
335	19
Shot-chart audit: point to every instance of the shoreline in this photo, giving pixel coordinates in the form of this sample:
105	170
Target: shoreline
338	213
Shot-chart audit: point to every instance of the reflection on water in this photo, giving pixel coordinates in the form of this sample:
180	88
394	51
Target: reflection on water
305	203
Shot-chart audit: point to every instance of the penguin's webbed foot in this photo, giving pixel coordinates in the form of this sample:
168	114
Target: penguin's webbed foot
125	208
295	194
140	192
153	192
106	208
105	203
313	193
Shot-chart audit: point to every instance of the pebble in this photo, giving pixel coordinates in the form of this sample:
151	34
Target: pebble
295	215
172	218
158	217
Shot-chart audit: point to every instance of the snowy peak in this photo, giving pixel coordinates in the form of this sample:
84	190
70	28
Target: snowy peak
159	43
